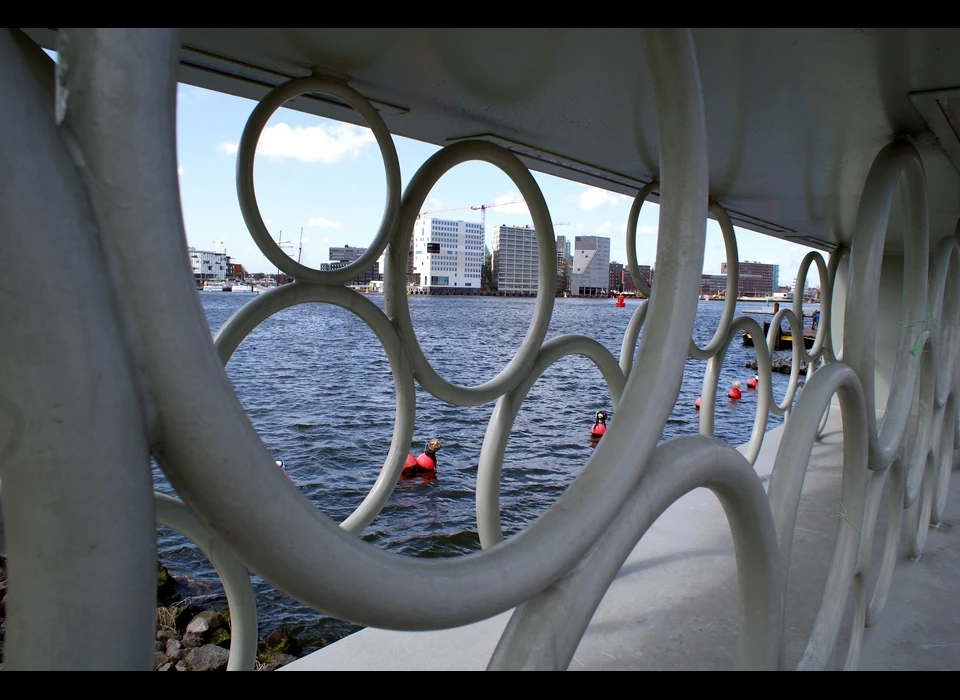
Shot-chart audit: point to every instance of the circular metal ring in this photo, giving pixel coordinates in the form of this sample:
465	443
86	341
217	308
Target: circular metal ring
786	486
876	592
711	381
246	192
505	413
252	314
818	342
397	305
632	219
898	162
235	578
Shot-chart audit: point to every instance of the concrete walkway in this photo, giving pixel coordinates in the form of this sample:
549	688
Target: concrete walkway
674	604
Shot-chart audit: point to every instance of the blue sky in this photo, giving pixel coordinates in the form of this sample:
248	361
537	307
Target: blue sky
326	177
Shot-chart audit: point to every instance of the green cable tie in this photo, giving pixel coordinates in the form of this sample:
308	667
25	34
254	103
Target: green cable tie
843	514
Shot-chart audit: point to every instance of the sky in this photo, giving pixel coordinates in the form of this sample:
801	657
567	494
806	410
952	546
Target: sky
326	179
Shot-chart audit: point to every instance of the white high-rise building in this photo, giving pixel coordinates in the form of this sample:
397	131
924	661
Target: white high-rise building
209	265
591	266
515	259
447	253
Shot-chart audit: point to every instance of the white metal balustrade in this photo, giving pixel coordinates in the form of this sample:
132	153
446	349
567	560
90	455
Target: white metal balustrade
93	383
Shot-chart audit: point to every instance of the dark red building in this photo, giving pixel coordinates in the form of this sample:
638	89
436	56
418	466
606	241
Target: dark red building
756	279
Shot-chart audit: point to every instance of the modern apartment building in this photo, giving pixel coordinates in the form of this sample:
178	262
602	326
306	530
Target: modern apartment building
515	260
343	256
563	264
363	279
711	284
447	254
591	266
208	265
756	279
346	254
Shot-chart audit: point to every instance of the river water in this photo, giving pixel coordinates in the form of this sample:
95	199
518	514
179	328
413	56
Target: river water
317	386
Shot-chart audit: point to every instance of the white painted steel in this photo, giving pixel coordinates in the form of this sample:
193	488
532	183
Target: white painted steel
247	196
249	316
505	413
395	286
537	637
74	459
107	174
236	581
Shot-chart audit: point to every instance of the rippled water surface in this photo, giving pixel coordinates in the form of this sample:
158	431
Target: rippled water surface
317	386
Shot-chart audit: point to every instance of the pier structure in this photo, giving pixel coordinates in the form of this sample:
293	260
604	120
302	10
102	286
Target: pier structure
840	139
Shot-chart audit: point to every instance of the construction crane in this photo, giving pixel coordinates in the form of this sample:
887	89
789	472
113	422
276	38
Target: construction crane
437	211
483	212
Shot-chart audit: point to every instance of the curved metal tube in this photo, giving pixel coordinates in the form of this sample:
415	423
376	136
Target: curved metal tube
250	315
397	305
711	378
77	491
899	159
236	581
114	172
505	413
537	638
213	457
786	485
246	191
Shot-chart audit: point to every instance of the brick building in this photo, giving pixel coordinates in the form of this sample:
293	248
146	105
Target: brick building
756	279
615	277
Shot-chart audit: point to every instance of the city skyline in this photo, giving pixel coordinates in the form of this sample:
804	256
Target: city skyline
327	178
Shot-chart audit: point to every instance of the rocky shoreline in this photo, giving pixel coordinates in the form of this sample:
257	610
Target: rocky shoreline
781	365
191	636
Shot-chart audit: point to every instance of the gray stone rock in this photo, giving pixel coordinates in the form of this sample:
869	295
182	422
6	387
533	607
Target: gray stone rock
166	667
159	659
283	659
209	657
204	622
191	641
164	634
174	649
181	666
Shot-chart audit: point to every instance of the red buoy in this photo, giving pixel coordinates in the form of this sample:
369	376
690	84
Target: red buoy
696	404
426	462
411	462
598	430
734	394
621	302
752	383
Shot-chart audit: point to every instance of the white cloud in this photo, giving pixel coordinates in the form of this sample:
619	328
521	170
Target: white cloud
323	143
179	171
515	208
646	230
433	203
608	227
326	239
594	198
324	223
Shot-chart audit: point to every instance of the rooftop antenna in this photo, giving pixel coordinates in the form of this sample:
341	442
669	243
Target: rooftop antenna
300	252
